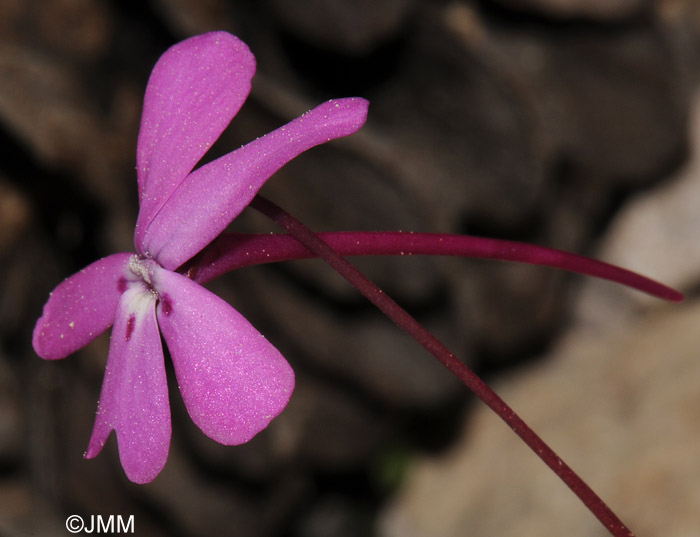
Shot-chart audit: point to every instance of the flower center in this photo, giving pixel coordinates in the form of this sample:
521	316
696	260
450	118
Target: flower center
142	271
144	278
143	268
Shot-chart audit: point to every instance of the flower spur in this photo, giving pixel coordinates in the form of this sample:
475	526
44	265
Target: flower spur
233	381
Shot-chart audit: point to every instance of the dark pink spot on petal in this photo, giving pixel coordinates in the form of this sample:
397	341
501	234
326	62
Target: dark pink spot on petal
130	326
166	304
121	285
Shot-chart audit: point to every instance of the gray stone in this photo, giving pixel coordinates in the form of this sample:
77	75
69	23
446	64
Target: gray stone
655	233
619	406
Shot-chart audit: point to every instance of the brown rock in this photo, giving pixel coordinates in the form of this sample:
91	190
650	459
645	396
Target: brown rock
14	215
620	408
604	10
655	233
351	27
23	512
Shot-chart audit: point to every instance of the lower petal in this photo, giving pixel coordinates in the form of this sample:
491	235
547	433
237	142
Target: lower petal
134	400
81	307
233	381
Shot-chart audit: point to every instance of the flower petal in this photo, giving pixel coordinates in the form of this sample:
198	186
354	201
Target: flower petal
212	196
232	380
81	307
134	399
195	89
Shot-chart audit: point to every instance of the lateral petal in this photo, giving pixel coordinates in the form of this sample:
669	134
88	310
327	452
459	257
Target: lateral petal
213	195
81	307
233	381
134	399
194	91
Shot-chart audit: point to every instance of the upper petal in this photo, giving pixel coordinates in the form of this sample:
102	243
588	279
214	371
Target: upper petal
212	196
232	380
134	399
81	307
195	89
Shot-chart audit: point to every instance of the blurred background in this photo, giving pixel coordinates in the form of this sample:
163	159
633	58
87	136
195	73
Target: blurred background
574	124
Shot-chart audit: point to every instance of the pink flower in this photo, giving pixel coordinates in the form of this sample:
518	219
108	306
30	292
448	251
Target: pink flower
232	380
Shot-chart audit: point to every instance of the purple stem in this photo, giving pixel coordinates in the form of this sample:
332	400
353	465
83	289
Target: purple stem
232	251
320	248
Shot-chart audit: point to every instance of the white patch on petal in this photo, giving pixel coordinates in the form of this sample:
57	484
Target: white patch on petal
138	300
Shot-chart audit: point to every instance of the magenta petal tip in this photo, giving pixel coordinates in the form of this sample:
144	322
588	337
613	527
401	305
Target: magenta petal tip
348	115
80	308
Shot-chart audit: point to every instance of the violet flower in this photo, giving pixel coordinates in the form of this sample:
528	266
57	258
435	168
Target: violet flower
233	381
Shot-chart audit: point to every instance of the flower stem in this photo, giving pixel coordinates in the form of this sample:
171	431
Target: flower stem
404	320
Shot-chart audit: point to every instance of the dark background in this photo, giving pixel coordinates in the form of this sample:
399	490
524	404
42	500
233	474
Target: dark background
531	120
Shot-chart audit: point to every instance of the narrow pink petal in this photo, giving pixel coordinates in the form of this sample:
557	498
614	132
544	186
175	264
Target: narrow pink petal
195	89
134	400
215	194
81	307
232	380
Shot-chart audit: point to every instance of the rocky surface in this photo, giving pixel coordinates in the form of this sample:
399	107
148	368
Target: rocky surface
595	10
655	232
620	408
617	398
